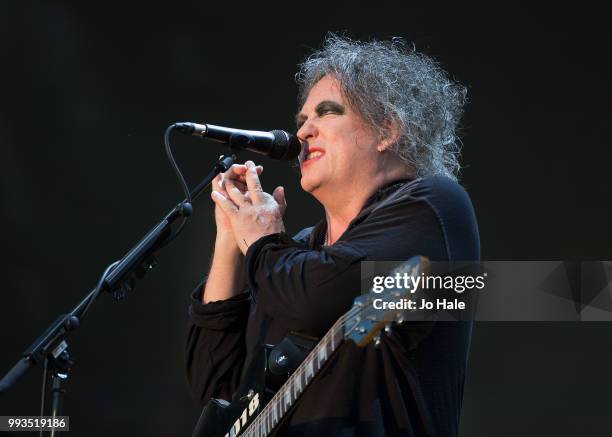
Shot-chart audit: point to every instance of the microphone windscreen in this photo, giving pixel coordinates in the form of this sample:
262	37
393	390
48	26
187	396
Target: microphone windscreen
286	146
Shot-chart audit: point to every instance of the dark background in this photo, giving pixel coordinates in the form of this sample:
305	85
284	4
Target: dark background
87	91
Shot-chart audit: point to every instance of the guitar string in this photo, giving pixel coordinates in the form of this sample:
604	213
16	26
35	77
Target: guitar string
250	430
265	413
255	425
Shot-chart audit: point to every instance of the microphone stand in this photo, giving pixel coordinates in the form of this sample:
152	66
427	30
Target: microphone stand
118	279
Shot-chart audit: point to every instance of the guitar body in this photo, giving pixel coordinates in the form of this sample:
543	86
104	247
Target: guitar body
220	418
217	417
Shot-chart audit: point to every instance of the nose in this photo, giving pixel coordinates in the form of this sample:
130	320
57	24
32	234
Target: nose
307	131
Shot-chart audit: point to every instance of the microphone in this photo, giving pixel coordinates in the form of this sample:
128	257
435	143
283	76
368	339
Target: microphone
276	144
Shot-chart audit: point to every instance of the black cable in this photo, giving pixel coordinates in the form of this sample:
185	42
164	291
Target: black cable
97	291
100	286
182	181
174	234
175	167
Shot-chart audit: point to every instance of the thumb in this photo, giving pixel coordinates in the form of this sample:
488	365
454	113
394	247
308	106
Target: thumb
279	196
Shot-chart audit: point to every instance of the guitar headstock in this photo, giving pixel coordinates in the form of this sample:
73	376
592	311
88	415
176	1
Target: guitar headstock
370	315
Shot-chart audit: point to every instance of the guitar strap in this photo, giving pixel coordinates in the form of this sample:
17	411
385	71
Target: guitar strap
286	356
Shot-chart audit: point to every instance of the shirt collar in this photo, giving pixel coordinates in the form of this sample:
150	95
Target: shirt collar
317	236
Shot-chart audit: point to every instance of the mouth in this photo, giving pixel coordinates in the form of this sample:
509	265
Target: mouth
313	154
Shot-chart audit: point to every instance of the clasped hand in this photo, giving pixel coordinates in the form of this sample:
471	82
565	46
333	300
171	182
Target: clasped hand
243	206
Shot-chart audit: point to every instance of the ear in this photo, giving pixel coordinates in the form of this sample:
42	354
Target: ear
393	131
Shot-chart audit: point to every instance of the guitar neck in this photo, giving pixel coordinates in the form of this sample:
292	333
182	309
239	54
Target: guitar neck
272	414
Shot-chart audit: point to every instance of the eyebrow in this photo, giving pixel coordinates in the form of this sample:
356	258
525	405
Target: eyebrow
323	106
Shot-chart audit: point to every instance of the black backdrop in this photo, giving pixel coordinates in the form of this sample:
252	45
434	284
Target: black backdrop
87	91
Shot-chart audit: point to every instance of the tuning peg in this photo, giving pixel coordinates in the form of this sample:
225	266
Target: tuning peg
377	340
388	328
248	396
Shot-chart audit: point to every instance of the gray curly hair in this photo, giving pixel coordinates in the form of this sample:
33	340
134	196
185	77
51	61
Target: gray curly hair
386	82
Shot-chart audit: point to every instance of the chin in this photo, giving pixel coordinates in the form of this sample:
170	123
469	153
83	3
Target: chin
308	184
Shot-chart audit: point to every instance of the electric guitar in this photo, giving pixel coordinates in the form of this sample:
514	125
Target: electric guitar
260	406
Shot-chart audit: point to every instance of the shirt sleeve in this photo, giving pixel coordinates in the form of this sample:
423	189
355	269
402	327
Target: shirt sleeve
311	288
215	348
303	286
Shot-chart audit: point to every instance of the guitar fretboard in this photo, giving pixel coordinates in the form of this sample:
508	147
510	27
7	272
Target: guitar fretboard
285	398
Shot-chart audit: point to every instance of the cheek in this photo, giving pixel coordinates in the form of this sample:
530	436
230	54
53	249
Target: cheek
345	159
361	138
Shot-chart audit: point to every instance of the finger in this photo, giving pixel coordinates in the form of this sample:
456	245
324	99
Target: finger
226	205
279	196
240	185
237	174
241	169
252	181
234	193
234	173
216	182
219	185
240	173
236	170
259	169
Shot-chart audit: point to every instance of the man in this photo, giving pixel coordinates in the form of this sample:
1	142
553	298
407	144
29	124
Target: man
378	125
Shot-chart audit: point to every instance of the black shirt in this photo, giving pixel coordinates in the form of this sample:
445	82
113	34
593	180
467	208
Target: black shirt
413	383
